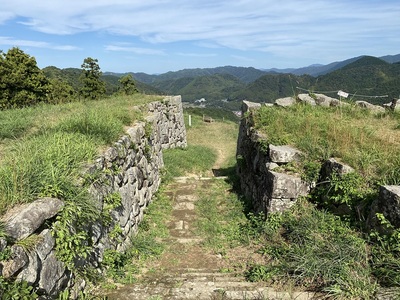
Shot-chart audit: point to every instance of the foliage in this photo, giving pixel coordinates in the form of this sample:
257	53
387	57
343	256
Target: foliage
385	254
22	83
342	189
71	234
16	290
92	85
60	92
317	250
128	86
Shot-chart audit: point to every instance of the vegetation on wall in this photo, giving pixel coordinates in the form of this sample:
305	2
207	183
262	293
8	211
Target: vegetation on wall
323	243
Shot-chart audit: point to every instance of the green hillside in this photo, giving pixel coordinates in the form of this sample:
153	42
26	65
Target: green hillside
71	76
366	76
270	87
211	87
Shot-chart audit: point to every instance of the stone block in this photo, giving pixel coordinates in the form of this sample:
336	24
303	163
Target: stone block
306	98
22	221
285	102
388	203
284	186
334	166
283	154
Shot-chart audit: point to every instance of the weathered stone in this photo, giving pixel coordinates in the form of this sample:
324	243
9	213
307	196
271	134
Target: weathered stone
46	244
323	100
283	154
136	133
250	106
285	102
24	221
3	244
111	154
280	204
371	107
388	203
334	166
271	166
306	98
18	260
284	186
30	272
53	274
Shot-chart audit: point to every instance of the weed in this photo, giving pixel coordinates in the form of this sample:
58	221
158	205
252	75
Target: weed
17	290
29	244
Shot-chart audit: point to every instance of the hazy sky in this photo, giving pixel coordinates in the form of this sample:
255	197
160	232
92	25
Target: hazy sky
155	36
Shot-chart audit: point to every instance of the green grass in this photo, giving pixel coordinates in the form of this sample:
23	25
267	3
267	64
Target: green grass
316	250
44	148
145	246
220	217
369	143
195	159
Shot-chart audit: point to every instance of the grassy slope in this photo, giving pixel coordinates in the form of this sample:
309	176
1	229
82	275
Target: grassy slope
43	148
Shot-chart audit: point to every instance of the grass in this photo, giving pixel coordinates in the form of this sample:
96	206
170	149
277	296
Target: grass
220	217
314	248
43	148
369	143
210	145
146	245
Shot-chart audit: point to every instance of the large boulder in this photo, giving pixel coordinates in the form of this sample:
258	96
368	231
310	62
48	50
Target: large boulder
22	221
285	102
333	166
388	203
373	108
306	98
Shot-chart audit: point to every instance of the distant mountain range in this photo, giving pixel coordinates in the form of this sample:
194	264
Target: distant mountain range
363	75
318	69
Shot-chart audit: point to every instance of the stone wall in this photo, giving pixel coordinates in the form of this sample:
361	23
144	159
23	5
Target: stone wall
130	168
259	168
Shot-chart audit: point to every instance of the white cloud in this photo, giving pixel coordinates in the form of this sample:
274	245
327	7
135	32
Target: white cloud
136	50
197	54
296	26
37	44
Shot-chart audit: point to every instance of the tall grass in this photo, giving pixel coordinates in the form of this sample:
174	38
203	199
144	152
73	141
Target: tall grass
43	148
316	250
369	143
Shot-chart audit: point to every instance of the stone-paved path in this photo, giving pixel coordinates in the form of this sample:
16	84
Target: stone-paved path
186	270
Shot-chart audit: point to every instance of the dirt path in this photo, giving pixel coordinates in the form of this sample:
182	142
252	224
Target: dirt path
188	270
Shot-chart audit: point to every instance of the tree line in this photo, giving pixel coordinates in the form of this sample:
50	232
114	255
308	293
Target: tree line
23	83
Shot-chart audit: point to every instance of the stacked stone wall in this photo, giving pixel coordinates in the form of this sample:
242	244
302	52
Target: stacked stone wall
270	190
131	169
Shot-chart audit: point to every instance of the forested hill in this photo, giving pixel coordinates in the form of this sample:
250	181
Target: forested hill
245	75
364	75
71	76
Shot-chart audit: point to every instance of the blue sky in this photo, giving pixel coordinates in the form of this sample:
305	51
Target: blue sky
156	36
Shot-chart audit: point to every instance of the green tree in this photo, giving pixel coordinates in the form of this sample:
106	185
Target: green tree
22	83
92	85
60	91
128	86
